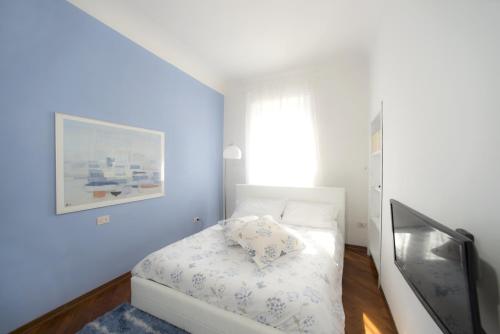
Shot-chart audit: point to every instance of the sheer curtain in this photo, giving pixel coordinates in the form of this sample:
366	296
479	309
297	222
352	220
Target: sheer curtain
281	141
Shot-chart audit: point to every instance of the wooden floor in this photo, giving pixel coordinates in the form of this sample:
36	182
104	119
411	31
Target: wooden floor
71	317
365	308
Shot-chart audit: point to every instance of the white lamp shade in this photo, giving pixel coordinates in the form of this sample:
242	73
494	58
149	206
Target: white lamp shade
232	152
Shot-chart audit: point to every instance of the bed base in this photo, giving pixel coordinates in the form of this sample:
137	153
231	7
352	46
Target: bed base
192	315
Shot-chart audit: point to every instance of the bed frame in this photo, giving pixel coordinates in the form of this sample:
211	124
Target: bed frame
199	317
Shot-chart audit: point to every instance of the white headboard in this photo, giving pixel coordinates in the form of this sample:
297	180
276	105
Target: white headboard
313	194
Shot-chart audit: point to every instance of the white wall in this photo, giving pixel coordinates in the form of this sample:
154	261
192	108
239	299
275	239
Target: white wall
341	91
437	68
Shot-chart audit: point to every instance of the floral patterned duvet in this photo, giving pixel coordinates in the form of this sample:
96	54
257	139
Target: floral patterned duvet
298	293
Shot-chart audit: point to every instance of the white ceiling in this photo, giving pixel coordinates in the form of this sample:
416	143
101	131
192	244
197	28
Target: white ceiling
218	41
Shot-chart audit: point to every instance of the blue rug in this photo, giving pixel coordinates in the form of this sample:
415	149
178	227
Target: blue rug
128	319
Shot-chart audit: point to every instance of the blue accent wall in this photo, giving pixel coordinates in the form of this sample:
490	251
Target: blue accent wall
56	58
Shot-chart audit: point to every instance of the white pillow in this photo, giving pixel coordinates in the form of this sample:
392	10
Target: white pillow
311	214
266	240
229	226
260	207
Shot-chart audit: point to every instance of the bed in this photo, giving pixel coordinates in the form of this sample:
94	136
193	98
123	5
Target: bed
203	286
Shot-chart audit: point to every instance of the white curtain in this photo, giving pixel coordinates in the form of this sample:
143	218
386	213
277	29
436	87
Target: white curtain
281	141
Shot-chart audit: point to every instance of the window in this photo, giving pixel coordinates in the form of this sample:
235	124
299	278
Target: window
281	138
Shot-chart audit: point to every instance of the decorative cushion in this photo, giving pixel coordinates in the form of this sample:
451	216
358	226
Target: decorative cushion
232	224
310	214
266	240
260	207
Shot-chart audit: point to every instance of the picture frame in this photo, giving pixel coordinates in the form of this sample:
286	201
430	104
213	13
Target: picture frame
100	163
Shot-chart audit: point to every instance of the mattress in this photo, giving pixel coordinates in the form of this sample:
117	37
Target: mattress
298	293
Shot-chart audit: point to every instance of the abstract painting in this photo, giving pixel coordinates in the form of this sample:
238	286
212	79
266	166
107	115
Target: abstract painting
100	163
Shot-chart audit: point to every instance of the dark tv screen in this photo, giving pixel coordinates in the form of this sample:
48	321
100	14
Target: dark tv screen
437	263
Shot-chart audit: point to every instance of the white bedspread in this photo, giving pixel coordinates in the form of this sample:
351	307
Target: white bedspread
299	293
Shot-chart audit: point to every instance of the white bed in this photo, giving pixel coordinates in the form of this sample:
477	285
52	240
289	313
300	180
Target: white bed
203	286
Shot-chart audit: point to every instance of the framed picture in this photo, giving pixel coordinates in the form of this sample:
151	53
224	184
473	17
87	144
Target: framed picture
101	163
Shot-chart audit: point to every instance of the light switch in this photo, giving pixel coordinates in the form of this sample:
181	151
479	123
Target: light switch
103	220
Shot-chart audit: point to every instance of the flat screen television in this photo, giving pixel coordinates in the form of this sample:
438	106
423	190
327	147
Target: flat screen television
439	265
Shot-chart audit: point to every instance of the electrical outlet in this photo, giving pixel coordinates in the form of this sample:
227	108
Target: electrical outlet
103	220
196	220
361	225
